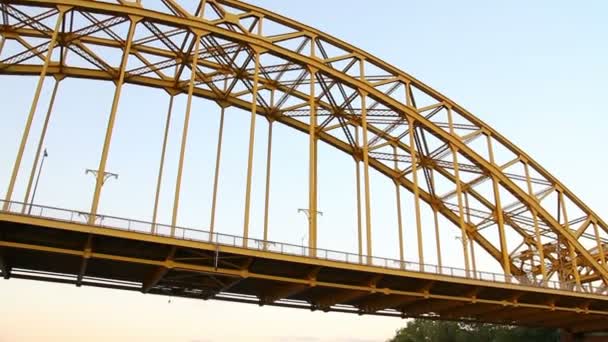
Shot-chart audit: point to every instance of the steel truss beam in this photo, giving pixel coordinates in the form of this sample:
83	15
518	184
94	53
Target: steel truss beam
223	50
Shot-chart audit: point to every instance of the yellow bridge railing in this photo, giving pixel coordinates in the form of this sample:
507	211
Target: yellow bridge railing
191	234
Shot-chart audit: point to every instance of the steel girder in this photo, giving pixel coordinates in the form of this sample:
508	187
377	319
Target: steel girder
296	74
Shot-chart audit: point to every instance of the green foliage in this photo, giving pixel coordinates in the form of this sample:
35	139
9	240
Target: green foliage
420	330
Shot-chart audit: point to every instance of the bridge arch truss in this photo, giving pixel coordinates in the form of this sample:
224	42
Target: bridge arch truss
246	57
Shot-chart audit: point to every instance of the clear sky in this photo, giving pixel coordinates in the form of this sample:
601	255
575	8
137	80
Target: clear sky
535	71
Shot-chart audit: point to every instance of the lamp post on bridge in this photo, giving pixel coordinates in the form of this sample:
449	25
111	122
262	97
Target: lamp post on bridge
44	155
106	176
308	214
464	239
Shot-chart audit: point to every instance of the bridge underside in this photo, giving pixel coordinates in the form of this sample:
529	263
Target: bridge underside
48	250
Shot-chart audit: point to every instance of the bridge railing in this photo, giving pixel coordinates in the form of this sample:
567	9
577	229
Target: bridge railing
145	227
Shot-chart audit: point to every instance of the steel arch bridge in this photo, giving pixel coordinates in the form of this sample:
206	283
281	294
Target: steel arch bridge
550	247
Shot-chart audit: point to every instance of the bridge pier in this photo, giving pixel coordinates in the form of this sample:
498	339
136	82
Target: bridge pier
566	336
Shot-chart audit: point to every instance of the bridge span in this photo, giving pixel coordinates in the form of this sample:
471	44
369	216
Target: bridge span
447	170
59	245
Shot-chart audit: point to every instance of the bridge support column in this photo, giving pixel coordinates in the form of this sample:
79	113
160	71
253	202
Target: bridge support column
182	153
415	160
399	216
312	172
506	261
436	222
573	256
216	176
101	170
368	214
359	221
161	167
464	235
254	110
34	105
539	244
600	245
459	194
45	126
267	190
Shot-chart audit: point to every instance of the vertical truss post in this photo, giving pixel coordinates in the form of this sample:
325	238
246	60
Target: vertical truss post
267	190
26	198
473	261
2	41
34	105
161	167
467	208
111	120
464	236
463	228
539	244
408	94
216	176
368	217
415	160
573	256
268	169
312	167
182	152
399	216
437	238
358	181
254	110
600	247
506	260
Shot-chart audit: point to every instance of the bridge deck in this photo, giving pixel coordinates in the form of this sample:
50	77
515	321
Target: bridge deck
76	253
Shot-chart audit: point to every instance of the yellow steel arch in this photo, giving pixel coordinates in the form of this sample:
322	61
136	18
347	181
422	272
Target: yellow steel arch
351	91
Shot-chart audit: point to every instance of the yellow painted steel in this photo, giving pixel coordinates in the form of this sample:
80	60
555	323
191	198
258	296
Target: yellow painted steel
464	234
312	168
101	171
161	167
506	261
368	214
256	76
267	188
398	204
415	161
216	175
45	126
34	105
182	151
552	247
539	245
358	184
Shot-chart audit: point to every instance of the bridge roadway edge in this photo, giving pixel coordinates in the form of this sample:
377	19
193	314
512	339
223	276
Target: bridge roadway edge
31	246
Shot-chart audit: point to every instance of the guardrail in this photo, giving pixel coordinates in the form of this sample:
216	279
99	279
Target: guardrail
191	234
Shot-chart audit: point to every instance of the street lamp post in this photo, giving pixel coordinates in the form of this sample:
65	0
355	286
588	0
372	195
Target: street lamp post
308	214
44	155
106	176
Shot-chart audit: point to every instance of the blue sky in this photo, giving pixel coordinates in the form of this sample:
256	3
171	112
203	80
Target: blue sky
535	71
